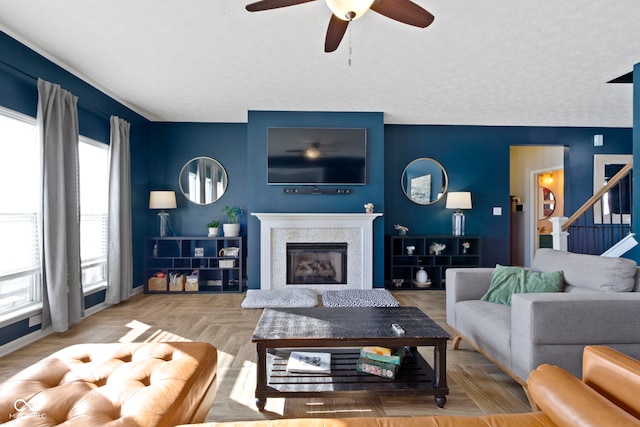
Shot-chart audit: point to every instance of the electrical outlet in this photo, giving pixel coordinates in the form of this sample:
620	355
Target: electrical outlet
35	320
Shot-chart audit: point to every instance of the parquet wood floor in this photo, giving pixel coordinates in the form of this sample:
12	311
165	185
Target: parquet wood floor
476	385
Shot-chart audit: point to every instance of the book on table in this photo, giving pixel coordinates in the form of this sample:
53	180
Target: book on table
309	362
380	369
383	354
380	361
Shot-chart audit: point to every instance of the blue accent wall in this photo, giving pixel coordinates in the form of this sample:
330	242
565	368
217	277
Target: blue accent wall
476	159
271	198
171	145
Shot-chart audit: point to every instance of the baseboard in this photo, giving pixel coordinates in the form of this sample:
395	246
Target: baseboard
23	341
95	309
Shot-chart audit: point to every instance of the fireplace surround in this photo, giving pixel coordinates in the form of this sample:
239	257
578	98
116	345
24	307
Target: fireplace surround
278	229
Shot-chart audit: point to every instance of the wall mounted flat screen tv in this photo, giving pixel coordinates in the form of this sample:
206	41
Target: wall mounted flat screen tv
316	156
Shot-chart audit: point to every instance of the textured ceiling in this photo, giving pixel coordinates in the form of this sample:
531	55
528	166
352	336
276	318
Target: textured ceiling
492	62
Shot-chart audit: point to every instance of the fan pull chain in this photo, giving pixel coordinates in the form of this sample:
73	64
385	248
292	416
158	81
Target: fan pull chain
350	26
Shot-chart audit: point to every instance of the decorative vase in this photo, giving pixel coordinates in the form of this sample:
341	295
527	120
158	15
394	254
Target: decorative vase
421	276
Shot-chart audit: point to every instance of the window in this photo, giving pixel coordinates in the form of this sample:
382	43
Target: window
94	202
20	175
615	206
20	279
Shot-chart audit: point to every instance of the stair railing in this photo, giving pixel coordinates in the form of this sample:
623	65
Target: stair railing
588	236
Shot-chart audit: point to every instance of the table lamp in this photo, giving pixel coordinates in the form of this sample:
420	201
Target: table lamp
458	200
162	200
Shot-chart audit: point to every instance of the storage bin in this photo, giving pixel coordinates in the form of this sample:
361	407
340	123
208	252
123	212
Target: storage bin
176	282
157	284
227	263
191	285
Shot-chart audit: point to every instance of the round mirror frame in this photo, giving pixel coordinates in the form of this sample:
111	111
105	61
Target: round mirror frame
213	162
547	203
444	185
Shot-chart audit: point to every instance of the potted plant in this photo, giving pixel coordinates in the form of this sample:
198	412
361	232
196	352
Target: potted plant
213	228
232	227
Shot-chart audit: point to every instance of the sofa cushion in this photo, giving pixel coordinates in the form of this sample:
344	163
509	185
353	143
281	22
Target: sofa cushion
506	281
592	272
488	326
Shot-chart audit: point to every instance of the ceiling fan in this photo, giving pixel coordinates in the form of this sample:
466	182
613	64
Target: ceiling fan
345	11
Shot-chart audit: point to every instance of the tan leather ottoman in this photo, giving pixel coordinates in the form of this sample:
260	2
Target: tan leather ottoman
138	384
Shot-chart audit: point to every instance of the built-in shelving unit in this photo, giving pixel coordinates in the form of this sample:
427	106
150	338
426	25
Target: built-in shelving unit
189	257
403	264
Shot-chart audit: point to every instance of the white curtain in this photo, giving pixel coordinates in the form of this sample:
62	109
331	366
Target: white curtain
57	118
119	256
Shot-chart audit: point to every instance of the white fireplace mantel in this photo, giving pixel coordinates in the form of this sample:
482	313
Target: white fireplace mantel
361	224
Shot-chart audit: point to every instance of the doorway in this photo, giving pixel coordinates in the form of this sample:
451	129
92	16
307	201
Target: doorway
528	165
549	203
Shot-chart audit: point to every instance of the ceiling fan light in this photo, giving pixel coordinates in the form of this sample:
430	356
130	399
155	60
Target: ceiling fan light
312	153
348	10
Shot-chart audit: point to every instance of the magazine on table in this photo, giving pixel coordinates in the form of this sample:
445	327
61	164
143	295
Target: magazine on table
309	362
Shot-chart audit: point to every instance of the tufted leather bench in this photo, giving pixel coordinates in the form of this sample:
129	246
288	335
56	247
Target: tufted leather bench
138	384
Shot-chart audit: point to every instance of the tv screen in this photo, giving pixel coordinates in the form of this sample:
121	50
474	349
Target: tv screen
316	156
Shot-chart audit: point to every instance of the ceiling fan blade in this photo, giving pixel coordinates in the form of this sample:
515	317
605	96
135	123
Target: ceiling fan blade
273	4
335	32
404	11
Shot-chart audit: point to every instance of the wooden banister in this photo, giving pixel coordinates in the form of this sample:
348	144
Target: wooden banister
598	195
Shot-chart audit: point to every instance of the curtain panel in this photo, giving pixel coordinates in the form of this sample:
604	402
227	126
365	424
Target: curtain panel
57	120
120	252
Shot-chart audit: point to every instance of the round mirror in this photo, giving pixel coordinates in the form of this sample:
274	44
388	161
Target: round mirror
203	180
547	203
424	181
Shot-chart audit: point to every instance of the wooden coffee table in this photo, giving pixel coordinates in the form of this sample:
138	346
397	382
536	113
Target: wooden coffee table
342	331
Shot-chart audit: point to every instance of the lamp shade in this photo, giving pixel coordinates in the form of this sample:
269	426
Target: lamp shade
348	10
162	200
458	200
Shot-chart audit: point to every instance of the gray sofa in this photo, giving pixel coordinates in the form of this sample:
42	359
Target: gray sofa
599	304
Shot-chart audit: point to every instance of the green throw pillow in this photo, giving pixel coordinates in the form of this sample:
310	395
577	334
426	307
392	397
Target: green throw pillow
506	281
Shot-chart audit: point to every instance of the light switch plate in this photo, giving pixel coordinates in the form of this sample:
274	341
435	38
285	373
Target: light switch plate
497	211
598	140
